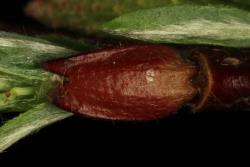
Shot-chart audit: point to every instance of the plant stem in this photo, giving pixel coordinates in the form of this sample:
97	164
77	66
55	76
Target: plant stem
20	91
9	97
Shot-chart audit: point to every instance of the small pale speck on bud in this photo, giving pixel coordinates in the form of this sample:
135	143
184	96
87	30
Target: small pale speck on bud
150	74
231	61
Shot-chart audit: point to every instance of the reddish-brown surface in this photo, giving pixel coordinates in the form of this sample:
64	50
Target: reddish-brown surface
230	76
142	82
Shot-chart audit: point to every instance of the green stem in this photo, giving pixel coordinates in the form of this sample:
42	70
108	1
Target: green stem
20	91
9	97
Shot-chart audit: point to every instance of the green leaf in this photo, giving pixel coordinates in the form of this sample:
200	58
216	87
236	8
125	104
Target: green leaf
29	122
25	86
89	15
20	67
28	52
186	24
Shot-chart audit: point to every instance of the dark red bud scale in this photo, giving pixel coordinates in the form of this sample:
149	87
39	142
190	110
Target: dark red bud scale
142	82
147	82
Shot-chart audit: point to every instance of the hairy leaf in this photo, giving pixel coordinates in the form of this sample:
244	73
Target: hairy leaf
89	15
25	86
29	122
186	24
20	60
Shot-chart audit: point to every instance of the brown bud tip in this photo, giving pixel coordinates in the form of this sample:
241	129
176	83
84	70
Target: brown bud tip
142	82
